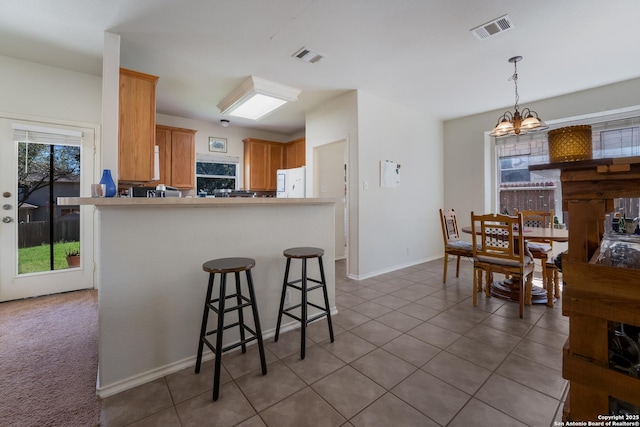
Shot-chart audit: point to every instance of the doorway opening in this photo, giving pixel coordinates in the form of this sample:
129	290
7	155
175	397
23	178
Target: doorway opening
330	180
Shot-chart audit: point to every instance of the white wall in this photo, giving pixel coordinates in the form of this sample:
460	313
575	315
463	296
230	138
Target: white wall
388	228
42	91
465	189
398	226
337	120
110	103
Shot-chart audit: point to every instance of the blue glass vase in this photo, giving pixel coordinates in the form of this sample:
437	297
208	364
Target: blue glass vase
110	186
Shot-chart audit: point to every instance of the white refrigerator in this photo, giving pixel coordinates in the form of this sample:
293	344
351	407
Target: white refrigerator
291	182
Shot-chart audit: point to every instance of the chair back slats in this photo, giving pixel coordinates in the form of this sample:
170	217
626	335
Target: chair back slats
453	245
537	219
501	251
533	222
450	231
493	237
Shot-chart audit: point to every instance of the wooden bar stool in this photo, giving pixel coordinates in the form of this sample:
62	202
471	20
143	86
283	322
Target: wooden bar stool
223	266
304	253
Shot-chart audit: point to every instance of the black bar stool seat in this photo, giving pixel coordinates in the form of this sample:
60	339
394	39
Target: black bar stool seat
218	305
304	253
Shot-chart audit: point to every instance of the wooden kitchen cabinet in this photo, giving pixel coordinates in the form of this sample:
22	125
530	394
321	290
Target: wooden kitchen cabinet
275	162
295	153
177	149
593	294
137	126
261	161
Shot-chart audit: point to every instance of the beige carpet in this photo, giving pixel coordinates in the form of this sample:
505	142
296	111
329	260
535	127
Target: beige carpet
49	361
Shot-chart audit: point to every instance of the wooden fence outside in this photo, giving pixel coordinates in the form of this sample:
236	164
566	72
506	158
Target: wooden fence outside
542	199
37	233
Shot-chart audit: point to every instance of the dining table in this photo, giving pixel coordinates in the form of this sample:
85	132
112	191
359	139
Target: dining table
504	288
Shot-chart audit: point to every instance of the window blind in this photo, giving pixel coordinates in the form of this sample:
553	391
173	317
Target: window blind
42	135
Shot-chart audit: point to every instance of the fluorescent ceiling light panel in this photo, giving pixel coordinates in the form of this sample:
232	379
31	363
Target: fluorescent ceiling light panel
256	106
256	97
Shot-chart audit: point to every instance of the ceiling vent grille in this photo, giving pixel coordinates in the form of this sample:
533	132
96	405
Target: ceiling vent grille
308	55
492	28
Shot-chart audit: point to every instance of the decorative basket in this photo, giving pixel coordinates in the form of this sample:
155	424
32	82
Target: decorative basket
570	144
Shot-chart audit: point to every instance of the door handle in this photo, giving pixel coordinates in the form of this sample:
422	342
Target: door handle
7	219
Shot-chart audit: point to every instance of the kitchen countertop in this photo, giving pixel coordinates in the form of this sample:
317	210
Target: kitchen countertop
191	201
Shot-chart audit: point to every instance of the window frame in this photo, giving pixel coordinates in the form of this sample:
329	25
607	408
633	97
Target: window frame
218	160
627	117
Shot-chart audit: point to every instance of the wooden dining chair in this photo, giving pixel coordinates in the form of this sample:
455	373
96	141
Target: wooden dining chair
541	249
453	245
497	250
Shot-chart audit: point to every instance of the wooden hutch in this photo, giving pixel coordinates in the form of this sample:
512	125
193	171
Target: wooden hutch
595	295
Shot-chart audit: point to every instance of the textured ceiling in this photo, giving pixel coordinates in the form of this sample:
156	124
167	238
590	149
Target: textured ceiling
419	53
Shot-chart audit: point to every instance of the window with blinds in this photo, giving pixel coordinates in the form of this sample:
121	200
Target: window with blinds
43	135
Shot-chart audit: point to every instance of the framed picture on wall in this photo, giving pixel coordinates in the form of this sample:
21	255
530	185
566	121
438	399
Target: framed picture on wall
217	144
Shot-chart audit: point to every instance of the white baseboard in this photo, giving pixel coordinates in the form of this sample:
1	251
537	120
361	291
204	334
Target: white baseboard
162	371
391	269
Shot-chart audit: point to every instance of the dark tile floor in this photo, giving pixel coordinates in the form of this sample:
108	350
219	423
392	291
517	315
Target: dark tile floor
409	351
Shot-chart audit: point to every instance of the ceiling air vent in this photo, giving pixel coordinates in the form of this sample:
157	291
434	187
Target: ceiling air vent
308	55
494	27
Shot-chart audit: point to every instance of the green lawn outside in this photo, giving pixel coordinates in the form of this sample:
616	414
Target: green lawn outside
36	258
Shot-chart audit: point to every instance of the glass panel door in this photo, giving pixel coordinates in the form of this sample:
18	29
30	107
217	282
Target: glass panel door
47	233
40	162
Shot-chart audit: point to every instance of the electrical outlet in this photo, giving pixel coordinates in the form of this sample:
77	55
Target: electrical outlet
287	297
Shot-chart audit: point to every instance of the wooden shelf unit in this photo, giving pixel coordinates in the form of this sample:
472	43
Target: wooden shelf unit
595	294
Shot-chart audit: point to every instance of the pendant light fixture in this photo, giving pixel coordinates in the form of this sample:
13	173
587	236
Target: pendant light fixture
517	123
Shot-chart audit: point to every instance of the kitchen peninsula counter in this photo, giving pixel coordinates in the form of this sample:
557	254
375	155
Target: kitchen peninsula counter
191	201
151	285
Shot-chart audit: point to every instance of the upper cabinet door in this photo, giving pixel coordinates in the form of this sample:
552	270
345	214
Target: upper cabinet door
275	162
263	158
255	164
177	149
295	154
183	148
163	141
137	126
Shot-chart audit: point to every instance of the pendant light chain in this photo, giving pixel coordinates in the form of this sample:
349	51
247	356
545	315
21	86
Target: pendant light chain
514	77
